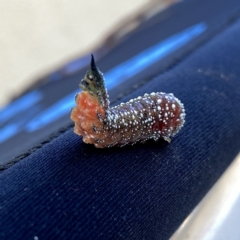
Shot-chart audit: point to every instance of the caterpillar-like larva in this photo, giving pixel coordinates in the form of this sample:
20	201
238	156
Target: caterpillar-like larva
153	116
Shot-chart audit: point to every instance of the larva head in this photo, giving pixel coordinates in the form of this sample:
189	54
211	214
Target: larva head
93	83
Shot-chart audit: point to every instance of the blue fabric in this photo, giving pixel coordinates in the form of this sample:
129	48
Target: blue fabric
70	190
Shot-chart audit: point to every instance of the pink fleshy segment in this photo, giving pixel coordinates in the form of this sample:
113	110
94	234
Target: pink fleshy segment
153	116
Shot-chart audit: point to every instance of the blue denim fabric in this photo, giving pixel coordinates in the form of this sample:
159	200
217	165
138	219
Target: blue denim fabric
71	190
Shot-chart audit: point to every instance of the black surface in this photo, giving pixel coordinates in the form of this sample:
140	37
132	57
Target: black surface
216	14
71	190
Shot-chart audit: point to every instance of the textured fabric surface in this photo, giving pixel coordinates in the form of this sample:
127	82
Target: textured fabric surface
70	190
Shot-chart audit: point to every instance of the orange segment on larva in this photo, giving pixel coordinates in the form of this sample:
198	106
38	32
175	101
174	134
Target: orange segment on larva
153	116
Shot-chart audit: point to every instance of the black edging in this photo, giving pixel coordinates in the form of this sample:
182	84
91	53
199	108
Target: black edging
35	148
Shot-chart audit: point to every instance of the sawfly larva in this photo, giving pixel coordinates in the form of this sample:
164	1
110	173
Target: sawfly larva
153	116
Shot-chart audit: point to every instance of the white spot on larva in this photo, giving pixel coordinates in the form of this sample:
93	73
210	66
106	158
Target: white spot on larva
159	108
173	106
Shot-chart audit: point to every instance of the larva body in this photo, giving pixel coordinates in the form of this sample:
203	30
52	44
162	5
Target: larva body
153	116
